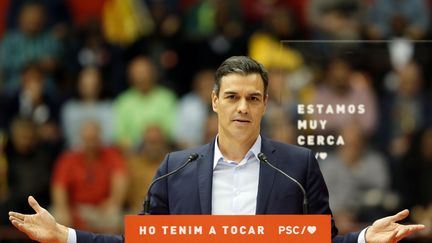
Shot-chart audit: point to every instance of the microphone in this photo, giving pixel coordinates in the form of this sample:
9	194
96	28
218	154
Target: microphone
146	209
263	158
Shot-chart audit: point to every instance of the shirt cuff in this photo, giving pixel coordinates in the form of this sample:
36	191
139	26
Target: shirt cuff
72	238
361	237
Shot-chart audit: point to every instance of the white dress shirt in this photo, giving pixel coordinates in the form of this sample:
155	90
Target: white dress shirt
235	186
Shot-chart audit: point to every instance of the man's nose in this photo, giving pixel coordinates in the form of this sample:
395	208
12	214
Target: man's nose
243	106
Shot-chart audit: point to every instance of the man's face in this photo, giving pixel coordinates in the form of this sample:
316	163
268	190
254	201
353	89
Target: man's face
32	82
142	74
338	76
90	136
89	84
32	18
240	105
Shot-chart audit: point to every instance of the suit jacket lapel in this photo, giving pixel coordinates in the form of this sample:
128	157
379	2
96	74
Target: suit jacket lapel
266	177
205	179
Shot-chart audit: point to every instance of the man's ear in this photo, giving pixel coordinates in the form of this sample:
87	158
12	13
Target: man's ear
215	101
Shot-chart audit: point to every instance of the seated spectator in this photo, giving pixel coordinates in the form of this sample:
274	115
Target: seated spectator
26	168
405	110
57	17
33	103
401	18
336	19
89	184
143	165
192	111
90	48
357	179
28	43
144	103
87	106
342	85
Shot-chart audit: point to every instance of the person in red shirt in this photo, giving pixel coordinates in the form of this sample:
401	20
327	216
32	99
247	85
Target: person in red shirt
89	184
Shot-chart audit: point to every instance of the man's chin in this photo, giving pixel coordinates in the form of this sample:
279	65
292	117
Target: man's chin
243	132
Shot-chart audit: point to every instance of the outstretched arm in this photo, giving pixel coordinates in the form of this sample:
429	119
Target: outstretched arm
388	230
41	226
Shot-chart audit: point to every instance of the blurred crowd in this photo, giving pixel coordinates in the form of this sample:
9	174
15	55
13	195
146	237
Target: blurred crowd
93	94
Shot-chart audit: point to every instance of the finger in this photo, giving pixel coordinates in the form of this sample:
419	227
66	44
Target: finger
399	216
21	227
17	215
409	230
11	218
417	227
34	204
402	233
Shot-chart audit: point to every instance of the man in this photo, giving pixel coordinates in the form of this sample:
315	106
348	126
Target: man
33	43
228	178
146	102
89	183
25	160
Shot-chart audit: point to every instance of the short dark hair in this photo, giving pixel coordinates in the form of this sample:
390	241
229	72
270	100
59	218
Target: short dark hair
240	65
32	66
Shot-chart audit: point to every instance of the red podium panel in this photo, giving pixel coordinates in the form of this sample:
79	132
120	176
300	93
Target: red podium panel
227	228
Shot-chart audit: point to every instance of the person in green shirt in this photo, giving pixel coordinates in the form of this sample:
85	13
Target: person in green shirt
145	103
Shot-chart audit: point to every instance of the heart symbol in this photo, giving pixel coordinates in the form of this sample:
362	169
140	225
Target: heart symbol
311	229
323	155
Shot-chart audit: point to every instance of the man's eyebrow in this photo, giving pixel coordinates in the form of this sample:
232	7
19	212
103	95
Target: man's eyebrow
256	94
229	92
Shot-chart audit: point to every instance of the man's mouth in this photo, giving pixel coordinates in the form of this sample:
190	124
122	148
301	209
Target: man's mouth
241	120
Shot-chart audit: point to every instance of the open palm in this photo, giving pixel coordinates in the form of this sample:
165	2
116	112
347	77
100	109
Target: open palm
41	226
388	230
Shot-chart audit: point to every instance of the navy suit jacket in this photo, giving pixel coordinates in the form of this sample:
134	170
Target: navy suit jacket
190	190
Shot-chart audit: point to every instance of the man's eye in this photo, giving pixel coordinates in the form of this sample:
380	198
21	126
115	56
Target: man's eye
253	98
231	97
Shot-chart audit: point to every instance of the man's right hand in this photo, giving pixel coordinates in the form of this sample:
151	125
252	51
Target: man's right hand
41	226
